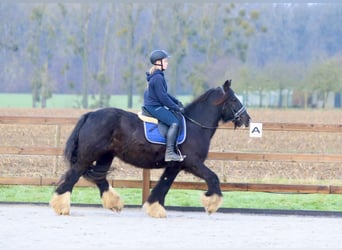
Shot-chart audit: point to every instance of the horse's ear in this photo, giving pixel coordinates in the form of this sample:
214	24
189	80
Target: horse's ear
227	85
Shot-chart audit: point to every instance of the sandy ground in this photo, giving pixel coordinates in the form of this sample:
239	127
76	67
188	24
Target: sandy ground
36	226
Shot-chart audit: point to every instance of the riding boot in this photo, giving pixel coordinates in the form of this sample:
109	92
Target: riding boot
171	138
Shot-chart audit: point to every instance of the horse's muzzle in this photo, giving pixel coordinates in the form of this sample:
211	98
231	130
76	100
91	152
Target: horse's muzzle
242	120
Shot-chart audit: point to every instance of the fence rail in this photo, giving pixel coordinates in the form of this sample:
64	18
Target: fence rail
271	126
252	187
235	156
146	184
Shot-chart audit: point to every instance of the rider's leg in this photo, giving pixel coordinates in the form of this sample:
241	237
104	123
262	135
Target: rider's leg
166	116
171	138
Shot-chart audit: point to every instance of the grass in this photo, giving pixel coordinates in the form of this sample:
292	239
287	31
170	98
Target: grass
187	198
61	101
71	101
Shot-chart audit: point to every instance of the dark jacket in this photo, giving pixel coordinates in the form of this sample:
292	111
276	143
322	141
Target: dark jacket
156	92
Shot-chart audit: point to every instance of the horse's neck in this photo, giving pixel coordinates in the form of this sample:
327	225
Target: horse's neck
205	115
208	114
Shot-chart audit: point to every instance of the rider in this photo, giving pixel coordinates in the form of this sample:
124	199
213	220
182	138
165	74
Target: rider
160	104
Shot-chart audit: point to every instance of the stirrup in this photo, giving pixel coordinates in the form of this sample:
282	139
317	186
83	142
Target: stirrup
175	157
180	154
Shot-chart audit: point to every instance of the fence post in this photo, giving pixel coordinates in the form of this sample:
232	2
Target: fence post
146	184
57	144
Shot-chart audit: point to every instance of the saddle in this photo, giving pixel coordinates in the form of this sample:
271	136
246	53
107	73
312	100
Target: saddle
155	131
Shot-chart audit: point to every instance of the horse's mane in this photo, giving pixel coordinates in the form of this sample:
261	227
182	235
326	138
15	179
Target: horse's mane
202	98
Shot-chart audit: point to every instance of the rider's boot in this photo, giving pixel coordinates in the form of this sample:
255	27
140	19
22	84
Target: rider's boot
171	138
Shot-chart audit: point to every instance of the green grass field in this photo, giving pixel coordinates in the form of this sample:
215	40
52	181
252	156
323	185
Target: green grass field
61	101
186	198
70	101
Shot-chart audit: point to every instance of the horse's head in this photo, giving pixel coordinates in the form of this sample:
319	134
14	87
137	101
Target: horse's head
233	110
217	104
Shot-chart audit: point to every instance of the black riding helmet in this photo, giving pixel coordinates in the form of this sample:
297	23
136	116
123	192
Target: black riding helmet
158	55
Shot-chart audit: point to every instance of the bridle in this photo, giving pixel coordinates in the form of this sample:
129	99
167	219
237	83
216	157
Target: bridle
236	117
237	114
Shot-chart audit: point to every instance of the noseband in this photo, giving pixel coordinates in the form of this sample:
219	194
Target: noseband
237	114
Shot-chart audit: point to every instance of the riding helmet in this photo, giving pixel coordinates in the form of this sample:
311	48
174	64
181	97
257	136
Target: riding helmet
158	55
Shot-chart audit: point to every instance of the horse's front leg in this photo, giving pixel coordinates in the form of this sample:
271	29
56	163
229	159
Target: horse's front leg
212	199
154	206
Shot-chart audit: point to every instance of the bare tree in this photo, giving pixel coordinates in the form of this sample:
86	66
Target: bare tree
102	76
41	49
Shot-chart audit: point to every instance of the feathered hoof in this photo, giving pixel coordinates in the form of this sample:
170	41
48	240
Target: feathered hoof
211	203
155	210
111	200
61	203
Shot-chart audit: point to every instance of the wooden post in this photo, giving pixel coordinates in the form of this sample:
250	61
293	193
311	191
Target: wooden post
57	144
146	184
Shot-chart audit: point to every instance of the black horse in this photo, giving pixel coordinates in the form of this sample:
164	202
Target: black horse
101	135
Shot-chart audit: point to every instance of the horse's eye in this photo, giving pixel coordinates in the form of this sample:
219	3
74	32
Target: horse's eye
234	99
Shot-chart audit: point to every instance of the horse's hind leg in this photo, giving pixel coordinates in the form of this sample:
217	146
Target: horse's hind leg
60	201
97	174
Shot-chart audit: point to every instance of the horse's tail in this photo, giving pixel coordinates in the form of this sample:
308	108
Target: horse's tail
70	151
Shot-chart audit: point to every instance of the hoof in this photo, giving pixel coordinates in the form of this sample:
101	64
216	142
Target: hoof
111	200
211	203
61	203
155	210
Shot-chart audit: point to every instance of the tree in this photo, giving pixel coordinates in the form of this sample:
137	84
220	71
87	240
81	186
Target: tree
253	80
205	44
180	31
84	54
326	77
98	49
77	39
101	77
224	31
129	17
8	37
41	49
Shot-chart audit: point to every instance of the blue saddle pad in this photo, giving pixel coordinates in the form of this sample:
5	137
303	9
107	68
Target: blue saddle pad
153	134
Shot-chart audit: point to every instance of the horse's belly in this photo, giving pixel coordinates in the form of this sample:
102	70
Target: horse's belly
143	159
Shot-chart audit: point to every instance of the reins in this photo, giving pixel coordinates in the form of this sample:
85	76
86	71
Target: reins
198	124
